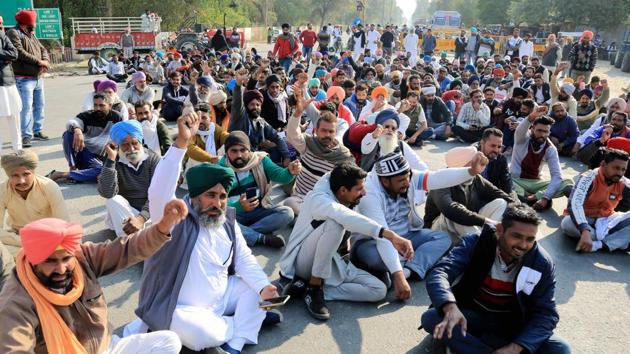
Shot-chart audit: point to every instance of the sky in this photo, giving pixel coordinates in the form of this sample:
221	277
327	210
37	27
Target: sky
408	7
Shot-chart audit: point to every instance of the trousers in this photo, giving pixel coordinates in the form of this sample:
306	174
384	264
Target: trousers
262	221
237	325
493	210
13	127
617	237
429	247
85	166
32	114
159	342
118	210
318	256
537	187
485	333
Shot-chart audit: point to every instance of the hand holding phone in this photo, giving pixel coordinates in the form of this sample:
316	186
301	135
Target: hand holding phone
273	302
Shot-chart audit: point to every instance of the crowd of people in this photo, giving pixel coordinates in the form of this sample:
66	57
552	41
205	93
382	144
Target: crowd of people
322	144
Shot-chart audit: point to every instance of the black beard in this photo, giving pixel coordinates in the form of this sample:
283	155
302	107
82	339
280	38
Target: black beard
253	114
239	163
51	284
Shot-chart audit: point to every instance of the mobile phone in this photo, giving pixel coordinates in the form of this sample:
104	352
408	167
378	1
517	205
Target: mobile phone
274	302
251	192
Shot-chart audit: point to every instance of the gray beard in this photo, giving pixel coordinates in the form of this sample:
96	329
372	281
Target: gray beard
207	220
387	144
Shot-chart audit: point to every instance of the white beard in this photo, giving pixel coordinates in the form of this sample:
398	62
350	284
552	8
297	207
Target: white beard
133	157
387	143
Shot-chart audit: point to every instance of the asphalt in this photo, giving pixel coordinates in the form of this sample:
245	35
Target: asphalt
592	290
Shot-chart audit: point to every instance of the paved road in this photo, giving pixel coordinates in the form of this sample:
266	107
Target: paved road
592	290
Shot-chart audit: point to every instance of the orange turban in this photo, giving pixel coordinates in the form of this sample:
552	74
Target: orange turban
43	237
380	90
336	90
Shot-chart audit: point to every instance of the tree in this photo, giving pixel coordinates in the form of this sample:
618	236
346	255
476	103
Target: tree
605	15
493	11
533	12
422	10
322	9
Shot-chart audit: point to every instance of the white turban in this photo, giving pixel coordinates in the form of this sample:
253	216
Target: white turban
429	90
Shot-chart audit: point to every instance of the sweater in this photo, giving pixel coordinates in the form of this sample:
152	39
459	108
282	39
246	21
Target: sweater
565	130
118	178
8	54
30	51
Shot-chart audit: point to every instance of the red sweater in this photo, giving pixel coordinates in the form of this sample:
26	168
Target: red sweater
308	38
283	48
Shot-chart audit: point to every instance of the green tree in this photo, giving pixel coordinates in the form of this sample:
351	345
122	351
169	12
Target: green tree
605	15
532	12
422	10
493	11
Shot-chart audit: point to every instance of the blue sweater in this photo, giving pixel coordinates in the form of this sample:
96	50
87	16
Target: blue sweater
565	130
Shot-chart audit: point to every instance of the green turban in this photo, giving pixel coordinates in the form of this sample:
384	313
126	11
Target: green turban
207	175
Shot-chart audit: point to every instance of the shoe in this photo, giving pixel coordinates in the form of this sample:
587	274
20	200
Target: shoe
282	284
274	241
226	347
315	303
40	136
272	318
26	142
296	289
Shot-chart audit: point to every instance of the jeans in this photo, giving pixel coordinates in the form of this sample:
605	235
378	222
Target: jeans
87	165
32	114
262	221
439	129
486	333
307	51
469	136
471	57
286	64
429	246
425	135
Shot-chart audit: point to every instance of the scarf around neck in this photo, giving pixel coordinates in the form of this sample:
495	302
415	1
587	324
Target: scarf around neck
208	138
336	155
255	166
281	105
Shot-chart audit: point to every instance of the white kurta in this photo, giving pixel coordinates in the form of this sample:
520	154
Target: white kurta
411	46
10	107
372	40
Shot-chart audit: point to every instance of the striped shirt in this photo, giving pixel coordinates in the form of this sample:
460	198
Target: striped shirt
496	292
313	168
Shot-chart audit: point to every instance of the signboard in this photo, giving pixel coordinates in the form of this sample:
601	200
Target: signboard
8	9
48	24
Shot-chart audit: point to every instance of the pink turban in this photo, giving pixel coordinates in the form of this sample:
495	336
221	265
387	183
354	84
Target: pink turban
460	156
336	90
43	237
587	35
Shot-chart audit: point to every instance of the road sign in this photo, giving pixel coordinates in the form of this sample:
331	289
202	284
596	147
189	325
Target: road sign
48	24
8	9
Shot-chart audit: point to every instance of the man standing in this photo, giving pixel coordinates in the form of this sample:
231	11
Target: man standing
127	43
311	255
9	95
388	40
258	219
583	57
308	37
286	45
53	302
526	48
471	46
373	37
460	45
592	218
429	42
125	178
210	296
32	62
503	301
26	196
410	45
513	44
531	147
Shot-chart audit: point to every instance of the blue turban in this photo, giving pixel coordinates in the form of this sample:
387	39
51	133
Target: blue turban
320	73
470	68
586	92
204	81
386	115
121	130
426	58
230	85
313	82
473	78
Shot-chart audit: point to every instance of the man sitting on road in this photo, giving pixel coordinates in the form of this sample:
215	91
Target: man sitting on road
563	93
473	119
497	172
84	141
319	153
26	196
394	195
465	208
125	178
139	91
531	147
209	296
173	97
97	65
154	131
564	130
53	302
503	301
613	105
592	217
617	127
439	117
588	107
311	264
210	137
219	112
258	218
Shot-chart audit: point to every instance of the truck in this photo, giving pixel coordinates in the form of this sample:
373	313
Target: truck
102	34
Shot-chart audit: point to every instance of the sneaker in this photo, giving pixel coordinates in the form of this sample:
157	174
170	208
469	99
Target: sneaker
274	241
40	136
226	347
26	142
272	318
282	284
297	288
315	303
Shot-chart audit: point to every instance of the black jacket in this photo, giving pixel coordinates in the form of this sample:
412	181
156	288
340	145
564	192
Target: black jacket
269	111
498	173
546	91
439	112
8	54
462	203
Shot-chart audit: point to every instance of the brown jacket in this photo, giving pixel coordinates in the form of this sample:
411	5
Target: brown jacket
30	51
197	147
20	331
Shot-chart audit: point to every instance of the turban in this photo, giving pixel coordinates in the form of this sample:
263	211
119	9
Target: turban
460	156
334	72
386	115
587	35
586	92
470	68
320	73
567	88
380	90
313	82
202	177
472	79
204	81
271	79
230	85
28	17
217	97
95	84
177	55
426	58
519	92
395	73
121	130
619	101
22	158
443	54
251	95
237	137
391	164
498	71
429	90
336	90
473	29
620	143
138	76
454	84
224	57
43	237
236	56
318	55
105	84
